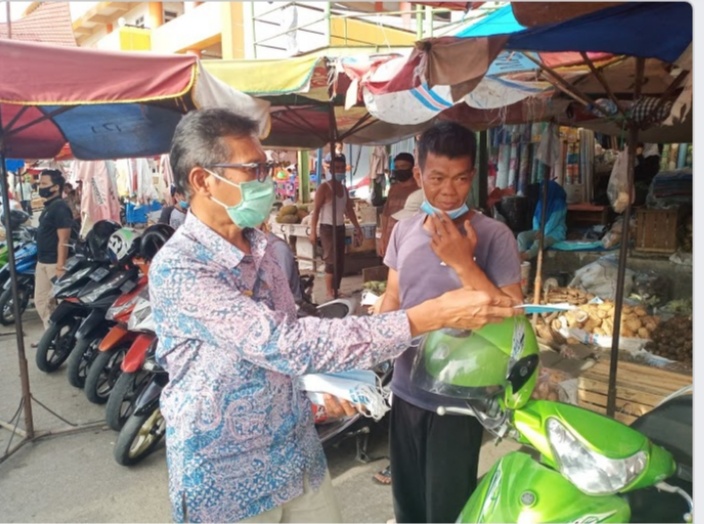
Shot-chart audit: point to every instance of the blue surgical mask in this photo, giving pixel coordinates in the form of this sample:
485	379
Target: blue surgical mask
426	208
340	177
183	204
255	202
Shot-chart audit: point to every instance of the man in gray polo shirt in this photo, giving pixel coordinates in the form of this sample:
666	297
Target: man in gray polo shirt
446	246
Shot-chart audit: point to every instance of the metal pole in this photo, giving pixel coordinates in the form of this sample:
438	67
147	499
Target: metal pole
483	169
24	372
623	253
621	275
333	139
8	15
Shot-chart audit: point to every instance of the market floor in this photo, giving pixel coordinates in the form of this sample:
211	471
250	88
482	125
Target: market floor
74	478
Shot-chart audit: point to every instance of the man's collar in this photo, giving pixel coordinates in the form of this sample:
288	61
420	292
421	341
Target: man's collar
222	251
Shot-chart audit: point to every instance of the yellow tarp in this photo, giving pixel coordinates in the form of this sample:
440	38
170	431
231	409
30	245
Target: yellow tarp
266	77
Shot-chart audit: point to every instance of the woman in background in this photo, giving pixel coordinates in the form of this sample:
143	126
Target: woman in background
555	222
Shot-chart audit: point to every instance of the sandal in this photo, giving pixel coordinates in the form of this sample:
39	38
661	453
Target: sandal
383	477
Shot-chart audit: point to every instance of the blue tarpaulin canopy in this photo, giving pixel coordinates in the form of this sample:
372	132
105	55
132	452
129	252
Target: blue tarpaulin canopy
643	29
647	29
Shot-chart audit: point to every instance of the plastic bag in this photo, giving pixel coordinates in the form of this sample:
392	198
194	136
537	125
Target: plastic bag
599	278
618	190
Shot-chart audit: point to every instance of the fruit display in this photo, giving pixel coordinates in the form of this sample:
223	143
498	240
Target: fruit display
291	214
673	339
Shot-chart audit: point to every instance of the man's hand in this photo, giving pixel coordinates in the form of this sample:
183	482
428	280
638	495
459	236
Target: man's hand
449	244
336	407
462	308
60	272
465	308
313	237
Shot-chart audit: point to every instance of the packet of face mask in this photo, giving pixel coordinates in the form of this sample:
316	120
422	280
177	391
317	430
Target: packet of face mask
545	308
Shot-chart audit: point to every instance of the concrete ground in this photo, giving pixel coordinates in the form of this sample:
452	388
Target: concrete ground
72	477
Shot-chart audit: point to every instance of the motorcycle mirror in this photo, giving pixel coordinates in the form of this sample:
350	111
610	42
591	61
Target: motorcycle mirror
522	371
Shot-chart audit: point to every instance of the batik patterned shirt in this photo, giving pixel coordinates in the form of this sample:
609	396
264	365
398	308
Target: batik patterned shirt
240	436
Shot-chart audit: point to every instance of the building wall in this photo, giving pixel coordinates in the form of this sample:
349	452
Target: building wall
200	27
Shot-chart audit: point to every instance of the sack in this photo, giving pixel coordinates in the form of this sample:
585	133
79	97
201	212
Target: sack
618	191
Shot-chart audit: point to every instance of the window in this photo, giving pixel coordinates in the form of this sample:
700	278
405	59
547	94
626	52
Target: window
169	15
139	22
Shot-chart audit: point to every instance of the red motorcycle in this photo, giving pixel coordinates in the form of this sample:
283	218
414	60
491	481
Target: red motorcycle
105	368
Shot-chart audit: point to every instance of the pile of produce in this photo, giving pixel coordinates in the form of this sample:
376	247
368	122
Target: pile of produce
291	214
596	319
673	339
570	295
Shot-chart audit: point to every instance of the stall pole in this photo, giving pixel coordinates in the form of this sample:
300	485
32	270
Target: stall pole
19	333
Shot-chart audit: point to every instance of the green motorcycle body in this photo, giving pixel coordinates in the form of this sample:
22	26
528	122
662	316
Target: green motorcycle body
519	489
588	462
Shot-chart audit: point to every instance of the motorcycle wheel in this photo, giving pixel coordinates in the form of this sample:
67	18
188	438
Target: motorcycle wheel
80	360
139	437
56	344
121	401
103	374
7	305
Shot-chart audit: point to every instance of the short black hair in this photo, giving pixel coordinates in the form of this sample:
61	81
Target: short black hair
199	141
447	139
57	177
407	157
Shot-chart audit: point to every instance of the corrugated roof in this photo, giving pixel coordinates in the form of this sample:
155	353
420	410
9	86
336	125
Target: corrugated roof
49	23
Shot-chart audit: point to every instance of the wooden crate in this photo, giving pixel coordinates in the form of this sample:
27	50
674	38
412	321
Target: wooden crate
656	230
639	388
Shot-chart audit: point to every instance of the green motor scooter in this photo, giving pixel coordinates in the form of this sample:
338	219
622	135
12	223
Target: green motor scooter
591	468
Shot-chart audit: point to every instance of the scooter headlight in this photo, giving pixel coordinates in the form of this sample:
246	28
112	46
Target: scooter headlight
590	471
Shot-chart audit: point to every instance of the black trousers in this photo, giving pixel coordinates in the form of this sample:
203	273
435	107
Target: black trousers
434	462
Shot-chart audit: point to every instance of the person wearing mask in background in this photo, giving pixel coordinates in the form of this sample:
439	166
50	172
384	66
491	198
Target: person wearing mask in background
555	222
446	246
403	185
333	254
53	236
240	439
175	214
23	194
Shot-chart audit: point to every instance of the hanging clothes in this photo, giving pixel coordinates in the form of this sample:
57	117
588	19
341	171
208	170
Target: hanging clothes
99	200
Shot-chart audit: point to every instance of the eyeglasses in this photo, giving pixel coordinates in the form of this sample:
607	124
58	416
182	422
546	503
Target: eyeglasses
259	170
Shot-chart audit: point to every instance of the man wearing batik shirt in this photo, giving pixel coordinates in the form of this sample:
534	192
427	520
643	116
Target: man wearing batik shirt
240	438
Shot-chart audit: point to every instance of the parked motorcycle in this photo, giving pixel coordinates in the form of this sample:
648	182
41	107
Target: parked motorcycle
25	267
145	426
97	297
89	265
591	469
104	370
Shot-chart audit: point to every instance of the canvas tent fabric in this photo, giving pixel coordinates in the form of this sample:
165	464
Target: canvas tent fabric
304	90
103	104
497	61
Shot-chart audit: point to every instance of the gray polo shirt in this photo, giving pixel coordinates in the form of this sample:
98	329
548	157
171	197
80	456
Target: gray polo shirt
422	276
